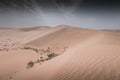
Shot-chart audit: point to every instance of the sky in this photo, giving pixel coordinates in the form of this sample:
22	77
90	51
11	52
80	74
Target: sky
96	14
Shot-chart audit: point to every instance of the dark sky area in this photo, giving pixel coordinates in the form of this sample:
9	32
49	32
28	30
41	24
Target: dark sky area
98	14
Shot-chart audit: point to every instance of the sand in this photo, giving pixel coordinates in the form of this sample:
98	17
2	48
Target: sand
84	54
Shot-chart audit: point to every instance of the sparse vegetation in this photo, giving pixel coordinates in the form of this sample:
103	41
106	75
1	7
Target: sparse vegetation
49	56
47	53
31	48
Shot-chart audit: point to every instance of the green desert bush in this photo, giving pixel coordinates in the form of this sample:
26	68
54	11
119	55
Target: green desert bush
30	64
52	55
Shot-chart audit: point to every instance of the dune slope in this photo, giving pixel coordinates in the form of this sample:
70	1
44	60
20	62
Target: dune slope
62	37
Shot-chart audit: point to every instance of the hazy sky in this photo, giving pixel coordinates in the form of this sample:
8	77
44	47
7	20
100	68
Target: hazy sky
98	14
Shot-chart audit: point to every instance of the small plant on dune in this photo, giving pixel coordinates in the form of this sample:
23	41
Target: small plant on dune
42	60
41	57
48	50
26	48
37	61
30	64
52	55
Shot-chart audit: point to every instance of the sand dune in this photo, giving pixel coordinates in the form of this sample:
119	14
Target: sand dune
87	55
62	37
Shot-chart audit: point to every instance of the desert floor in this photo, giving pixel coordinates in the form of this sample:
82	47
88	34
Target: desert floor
59	53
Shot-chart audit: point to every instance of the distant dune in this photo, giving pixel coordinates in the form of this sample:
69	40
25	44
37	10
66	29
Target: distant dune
34	28
77	54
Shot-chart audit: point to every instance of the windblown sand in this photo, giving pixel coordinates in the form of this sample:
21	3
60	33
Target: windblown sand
83	54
